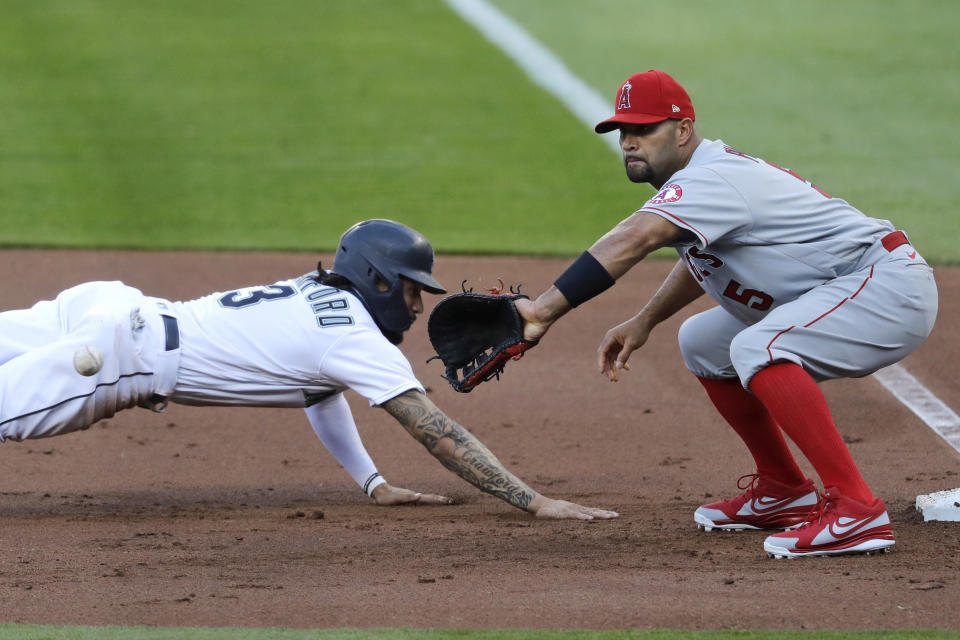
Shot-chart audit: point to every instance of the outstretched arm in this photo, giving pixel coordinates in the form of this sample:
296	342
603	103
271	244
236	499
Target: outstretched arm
616	252
334	425
459	451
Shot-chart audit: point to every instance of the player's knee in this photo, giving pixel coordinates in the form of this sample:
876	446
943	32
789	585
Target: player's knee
749	354
703	353
687	340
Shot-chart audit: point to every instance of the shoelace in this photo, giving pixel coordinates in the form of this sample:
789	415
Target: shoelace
824	504
751	486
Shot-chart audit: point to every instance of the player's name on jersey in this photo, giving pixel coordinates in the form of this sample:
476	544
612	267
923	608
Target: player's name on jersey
327	303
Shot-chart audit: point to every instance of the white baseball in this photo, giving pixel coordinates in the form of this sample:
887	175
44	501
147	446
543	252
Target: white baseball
87	361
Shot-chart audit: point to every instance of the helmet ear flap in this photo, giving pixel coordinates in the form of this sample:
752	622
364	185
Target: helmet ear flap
378	282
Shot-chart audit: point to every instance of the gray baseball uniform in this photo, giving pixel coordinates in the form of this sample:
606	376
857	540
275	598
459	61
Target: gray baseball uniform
798	276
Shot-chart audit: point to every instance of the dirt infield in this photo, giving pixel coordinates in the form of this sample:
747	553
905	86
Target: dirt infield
239	517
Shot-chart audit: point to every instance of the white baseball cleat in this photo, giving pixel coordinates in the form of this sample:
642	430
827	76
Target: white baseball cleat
88	361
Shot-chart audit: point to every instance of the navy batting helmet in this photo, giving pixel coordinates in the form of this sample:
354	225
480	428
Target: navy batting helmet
383	250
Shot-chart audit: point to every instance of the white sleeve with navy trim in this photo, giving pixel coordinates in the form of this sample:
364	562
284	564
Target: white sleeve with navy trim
333	423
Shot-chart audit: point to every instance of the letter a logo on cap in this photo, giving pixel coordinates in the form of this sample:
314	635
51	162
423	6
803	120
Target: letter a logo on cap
624	101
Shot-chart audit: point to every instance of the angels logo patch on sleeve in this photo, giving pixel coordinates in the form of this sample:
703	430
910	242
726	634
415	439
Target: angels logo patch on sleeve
669	193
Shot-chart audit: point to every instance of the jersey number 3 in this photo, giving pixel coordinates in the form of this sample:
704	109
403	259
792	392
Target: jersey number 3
255	295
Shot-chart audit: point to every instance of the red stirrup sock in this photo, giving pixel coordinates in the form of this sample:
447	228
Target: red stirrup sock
797	404
752	422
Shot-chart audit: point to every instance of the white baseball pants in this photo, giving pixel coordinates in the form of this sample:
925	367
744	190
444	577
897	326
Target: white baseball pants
42	395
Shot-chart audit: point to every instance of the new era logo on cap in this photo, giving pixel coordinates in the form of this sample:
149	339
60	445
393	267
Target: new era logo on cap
648	97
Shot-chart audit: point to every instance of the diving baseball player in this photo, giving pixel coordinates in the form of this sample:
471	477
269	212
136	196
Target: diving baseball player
102	347
807	288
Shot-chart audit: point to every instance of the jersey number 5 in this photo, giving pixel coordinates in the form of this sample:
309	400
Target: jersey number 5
750	297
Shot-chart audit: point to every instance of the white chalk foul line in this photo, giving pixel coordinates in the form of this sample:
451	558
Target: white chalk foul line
928	407
547	71
539	63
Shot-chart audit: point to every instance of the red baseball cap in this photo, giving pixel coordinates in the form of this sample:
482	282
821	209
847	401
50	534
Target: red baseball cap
652	96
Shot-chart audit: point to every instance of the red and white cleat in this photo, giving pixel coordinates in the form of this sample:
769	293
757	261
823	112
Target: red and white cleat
767	504
838	525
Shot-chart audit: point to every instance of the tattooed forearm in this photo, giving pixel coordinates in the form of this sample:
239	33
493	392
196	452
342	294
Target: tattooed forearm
457	449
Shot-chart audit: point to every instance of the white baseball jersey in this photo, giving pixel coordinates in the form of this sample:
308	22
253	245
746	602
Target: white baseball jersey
289	344
817	282
295	343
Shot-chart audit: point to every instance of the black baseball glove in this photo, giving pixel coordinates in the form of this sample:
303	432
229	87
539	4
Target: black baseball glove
475	334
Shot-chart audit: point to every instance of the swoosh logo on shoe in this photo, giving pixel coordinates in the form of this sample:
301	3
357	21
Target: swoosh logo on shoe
836	531
839	528
763	504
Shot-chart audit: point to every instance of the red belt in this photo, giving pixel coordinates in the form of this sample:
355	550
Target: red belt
894	239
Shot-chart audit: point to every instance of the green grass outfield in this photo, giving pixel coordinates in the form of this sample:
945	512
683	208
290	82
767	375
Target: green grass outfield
242	124
275	125
145	633
858	96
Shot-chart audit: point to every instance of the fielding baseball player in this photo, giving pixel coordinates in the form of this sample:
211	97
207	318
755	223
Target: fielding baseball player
807	288
101	347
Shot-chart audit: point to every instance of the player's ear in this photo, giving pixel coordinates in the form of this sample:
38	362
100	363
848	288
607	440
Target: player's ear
684	131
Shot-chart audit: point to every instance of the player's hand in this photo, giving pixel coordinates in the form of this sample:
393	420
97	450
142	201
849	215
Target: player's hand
618	344
535	326
388	496
544	507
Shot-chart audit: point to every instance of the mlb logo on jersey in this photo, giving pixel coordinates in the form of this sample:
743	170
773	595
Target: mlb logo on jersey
670	193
